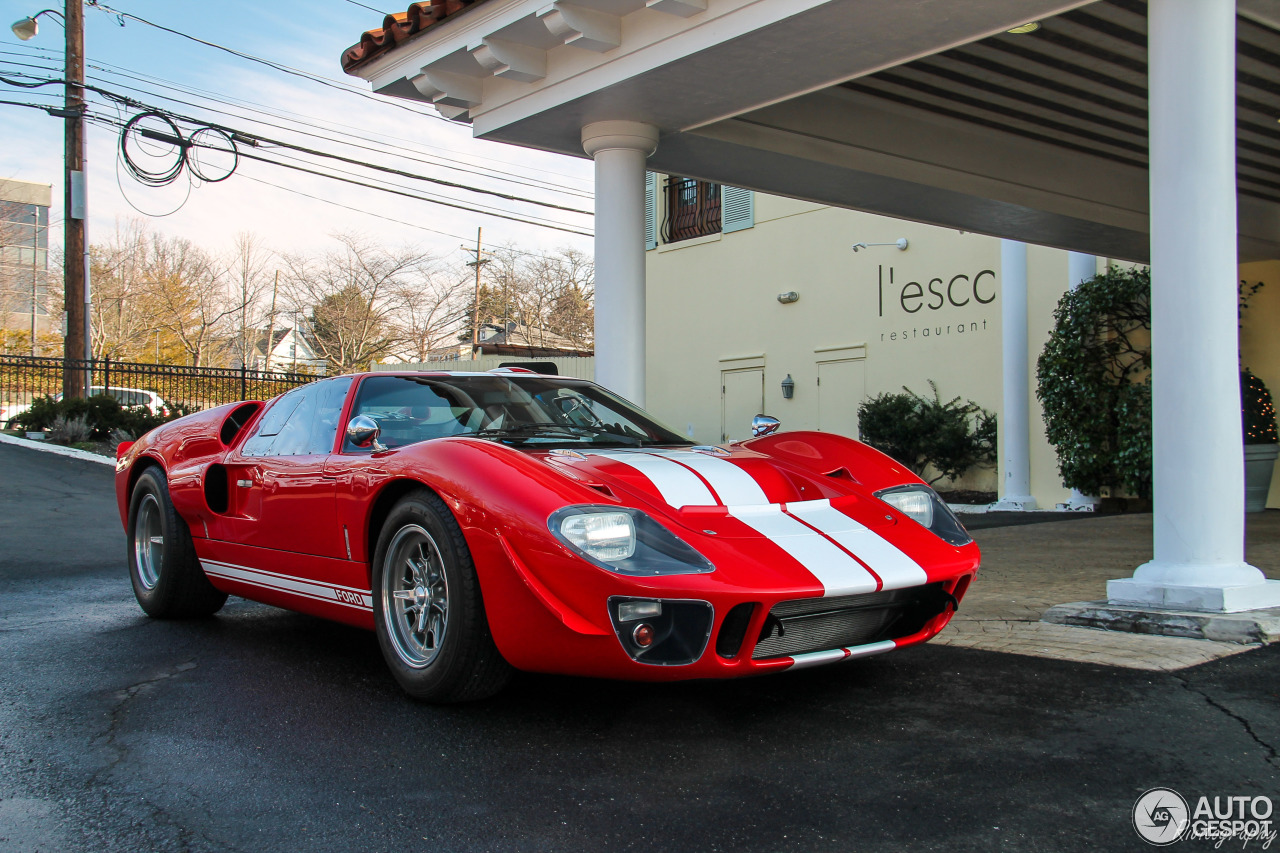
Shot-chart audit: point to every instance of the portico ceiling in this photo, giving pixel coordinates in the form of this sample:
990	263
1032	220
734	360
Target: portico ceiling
924	110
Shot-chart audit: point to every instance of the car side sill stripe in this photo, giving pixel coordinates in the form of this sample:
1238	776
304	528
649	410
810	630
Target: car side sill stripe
831	565
332	593
809	659
896	569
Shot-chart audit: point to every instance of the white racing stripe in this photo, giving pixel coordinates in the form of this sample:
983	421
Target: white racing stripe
822	543
847	653
678	485
332	593
896	569
835	569
734	486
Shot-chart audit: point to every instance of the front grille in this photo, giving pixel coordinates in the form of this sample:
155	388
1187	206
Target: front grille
818	624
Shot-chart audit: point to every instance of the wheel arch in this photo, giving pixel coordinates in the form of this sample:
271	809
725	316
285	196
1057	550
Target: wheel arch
139	467
387	498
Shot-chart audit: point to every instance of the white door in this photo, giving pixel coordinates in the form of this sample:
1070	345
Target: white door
841	387
741	399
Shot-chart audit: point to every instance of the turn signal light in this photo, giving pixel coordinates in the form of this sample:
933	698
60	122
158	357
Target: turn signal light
643	635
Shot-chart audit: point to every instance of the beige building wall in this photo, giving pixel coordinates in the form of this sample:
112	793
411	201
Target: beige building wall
865	323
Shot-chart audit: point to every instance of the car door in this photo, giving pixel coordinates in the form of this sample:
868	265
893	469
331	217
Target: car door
281	497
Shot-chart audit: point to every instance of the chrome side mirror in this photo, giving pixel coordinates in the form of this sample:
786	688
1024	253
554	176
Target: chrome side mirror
363	431
762	425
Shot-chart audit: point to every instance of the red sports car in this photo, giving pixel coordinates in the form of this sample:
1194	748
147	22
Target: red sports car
480	522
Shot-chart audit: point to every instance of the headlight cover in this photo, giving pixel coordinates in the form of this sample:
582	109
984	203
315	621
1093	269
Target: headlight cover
923	506
625	541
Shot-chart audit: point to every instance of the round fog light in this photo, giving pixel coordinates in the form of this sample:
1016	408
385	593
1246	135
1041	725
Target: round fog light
643	635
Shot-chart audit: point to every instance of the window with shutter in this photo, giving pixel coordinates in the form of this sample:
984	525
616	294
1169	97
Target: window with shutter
650	211
738	209
692	209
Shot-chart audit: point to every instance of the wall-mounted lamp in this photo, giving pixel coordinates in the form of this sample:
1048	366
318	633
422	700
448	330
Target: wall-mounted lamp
1022	29
788	387
901	243
788	297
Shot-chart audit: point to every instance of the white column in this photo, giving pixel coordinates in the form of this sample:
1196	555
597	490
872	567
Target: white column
1195	397
1015	419
620	149
1080	268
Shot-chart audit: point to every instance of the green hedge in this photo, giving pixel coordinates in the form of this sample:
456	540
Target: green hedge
102	412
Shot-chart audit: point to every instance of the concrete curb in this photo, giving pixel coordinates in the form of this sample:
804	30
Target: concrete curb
1248	627
58	449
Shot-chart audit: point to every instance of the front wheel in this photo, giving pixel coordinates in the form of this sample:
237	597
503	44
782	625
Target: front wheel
167	578
428	611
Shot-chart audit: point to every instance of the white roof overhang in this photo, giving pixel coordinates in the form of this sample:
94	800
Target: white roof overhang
925	110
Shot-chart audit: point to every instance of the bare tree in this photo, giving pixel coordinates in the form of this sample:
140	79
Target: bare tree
250	284
188	295
429	314
122	322
353	297
550	294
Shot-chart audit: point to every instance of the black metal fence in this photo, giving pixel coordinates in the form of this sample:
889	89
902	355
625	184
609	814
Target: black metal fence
24	378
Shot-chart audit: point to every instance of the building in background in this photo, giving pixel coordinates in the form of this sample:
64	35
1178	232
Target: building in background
24	267
747	290
288	350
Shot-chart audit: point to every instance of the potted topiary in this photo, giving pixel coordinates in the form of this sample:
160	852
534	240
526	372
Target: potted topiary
1261	445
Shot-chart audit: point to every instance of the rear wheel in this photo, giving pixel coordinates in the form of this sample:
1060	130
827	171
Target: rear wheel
167	578
428	611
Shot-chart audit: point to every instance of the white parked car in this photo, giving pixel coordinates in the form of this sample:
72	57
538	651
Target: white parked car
130	397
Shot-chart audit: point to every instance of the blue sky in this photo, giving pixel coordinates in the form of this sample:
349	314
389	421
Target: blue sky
307	36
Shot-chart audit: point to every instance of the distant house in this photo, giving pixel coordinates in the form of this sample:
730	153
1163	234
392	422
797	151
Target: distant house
289	349
519	339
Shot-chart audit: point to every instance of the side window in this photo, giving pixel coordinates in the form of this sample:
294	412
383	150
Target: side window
259	444
303	422
324	427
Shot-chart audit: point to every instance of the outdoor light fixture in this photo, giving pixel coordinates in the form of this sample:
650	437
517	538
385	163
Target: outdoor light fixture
788	387
901	243
788	297
1028	27
27	28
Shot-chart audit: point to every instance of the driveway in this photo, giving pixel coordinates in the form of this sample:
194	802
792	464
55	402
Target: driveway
259	729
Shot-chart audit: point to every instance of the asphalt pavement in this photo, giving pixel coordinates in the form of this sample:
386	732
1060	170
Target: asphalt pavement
260	730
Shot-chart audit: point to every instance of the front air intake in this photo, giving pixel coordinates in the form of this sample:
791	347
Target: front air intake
818	624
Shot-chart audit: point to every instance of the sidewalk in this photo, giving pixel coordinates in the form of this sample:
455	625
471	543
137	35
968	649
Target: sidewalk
1029	568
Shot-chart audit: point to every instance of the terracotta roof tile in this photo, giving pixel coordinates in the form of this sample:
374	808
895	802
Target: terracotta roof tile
400	28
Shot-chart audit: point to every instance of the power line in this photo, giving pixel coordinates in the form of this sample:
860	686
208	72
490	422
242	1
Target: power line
162	96
362	6
283	114
296	72
117	123
314	152
377	215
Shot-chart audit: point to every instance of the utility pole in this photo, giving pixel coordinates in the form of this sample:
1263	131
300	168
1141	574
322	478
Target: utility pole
271	327
475	308
35	252
77	344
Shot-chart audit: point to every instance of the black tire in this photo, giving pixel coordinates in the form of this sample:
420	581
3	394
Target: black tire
167	578
448	654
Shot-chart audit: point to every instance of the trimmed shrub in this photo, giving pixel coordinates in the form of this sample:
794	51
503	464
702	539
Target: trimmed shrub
923	432
102	413
1094	380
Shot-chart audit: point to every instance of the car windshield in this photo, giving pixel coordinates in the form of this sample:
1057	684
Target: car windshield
524	410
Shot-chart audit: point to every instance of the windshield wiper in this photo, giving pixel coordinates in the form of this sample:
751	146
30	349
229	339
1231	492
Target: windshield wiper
530	430
527	430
